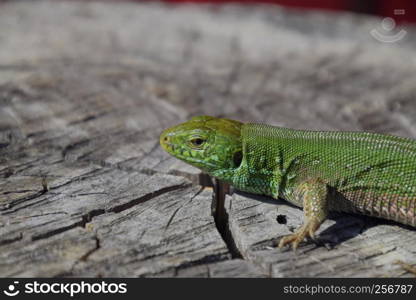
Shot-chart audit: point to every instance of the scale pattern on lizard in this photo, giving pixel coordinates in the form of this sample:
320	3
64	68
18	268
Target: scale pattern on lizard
360	172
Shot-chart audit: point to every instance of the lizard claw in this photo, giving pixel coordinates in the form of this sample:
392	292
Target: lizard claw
306	230
293	239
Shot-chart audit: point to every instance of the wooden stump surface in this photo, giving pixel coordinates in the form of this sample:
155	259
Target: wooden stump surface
86	89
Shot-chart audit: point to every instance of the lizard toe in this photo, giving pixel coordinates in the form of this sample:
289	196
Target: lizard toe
306	230
293	239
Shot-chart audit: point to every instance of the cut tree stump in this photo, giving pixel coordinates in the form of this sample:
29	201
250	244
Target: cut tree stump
86	89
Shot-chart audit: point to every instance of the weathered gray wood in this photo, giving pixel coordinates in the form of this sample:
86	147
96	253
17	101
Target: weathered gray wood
348	245
86	88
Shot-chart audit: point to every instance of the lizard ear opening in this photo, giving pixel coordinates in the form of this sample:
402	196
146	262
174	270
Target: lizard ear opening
237	158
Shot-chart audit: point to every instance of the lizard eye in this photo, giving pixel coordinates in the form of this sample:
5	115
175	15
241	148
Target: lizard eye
197	142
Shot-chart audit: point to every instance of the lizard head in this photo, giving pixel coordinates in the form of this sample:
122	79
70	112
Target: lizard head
208	143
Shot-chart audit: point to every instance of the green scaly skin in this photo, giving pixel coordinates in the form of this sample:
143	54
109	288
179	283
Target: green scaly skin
359	172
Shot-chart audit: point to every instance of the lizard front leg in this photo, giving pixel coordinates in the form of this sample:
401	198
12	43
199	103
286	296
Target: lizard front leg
313	194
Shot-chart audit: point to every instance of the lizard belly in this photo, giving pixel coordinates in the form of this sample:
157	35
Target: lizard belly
394	207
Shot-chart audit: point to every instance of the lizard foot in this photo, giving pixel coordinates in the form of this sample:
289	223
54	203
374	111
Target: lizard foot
308	229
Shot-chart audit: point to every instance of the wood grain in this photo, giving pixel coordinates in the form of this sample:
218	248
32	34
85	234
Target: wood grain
86	89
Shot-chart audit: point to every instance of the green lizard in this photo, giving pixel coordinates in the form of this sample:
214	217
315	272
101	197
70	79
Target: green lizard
357	172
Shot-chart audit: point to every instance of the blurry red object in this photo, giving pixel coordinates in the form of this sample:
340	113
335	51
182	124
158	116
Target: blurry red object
400	10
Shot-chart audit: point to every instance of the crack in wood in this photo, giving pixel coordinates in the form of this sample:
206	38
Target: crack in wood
83	258
176	210
10	205
154	194
57	231
202	261
11	240
221	217
86	218
88	254
45	189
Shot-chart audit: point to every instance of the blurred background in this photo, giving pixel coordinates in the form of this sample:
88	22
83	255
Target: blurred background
385	8
402	11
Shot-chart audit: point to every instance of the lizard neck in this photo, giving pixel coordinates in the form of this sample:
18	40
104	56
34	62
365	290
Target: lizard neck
257	172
